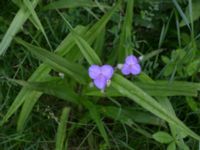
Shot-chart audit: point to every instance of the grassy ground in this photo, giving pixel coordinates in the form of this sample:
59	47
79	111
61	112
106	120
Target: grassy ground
43	40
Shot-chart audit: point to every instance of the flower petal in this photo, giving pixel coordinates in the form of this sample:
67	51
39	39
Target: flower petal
94	71
126	70
100	82
135	69
131	60
107	71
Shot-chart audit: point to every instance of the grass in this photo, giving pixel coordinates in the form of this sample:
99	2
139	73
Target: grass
46	97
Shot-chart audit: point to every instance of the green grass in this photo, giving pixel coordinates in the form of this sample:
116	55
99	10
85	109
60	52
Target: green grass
46	98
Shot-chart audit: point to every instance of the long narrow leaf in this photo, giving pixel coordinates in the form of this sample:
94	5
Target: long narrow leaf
140	97
95	115
61	131
86	50
20	18
158	88
36	20
54	86
125	47
73	70
60	4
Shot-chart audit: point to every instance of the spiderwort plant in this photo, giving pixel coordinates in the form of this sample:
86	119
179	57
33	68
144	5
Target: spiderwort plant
101	75
131	66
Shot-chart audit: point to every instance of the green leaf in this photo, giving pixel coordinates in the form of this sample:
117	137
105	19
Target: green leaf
158	88
20	18
133	92
99	43
60	4
193	67
61	131
127	114
192	103
163	137
36	20
54	86
182	14
165	59
86	50
195	12
95	115
165	102
75	71
182	145
171	146
125	43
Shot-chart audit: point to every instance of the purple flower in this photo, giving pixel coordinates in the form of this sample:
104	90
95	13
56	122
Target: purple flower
131	66
101	75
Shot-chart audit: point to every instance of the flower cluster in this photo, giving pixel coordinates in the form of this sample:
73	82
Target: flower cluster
101	75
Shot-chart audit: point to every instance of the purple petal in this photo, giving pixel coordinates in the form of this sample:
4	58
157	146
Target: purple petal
107	71
131	60
100	82
126	70
135	69
94	71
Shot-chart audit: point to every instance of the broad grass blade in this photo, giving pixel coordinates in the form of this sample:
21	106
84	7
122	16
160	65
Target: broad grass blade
77	72
140	97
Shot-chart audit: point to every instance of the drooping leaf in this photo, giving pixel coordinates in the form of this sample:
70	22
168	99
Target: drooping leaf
54	86
77	72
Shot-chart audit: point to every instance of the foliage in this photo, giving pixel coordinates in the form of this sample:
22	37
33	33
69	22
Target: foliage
46	48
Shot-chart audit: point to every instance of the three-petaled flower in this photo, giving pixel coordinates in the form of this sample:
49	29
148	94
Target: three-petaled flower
131	66
101	75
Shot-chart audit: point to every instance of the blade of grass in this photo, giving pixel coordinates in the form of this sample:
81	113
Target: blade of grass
185	19
165	102
61	131
20	18
36	20
140	97
86	50
58	63
60	4
95	115
54	86
126	114
125	48
99	43
158	88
